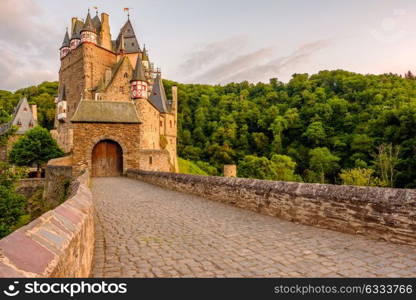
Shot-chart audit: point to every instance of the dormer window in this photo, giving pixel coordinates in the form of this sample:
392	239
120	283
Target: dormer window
25	109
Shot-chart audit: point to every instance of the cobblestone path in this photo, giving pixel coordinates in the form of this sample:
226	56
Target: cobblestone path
146	231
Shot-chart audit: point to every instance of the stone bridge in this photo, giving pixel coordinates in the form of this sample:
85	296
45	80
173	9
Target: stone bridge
146	231
151	224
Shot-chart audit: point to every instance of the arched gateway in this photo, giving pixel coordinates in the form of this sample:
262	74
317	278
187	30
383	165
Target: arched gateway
107	159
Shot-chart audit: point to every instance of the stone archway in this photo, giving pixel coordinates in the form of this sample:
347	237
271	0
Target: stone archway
107	159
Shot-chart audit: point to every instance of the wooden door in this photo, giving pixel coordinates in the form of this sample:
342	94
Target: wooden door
107	159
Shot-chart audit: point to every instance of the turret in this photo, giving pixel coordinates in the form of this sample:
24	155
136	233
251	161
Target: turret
65	45
88	32
76	35
138	83
96	22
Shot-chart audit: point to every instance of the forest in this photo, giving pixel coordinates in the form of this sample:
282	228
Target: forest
331	127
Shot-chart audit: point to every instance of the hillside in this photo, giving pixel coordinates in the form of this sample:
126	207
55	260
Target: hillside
314	128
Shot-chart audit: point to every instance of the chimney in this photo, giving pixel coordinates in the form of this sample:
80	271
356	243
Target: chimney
34	108
105	34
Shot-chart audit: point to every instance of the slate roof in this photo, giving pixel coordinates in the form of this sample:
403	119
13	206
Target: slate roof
138	70
158	95
76	31
96	22
106	112
65	43
131	44
88	25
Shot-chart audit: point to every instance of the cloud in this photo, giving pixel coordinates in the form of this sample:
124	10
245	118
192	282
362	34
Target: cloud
278	65
28	49
212	52
258	65
219	72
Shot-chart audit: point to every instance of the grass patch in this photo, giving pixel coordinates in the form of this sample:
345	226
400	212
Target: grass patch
189	167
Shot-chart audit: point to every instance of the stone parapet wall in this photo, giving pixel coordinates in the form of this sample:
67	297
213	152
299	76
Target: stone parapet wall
60	243
380	213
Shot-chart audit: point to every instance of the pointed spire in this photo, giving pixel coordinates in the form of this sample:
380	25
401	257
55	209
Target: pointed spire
88	26
96	21
65	43
77	29
138	74
158	95
121	46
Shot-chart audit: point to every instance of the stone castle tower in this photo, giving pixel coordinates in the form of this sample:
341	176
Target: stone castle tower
112	111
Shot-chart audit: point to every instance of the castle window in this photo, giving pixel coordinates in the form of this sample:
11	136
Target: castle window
126	75
132	44
19	123
161	124
121	89
150	160
170	123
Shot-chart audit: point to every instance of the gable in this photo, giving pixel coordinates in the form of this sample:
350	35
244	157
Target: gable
118	87
131	44
23	117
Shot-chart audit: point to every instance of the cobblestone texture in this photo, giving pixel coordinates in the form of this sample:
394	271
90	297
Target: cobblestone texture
146	231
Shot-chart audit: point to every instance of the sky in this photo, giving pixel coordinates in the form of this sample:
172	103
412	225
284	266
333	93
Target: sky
220	41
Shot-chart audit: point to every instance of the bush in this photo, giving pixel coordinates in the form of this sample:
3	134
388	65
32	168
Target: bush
11	204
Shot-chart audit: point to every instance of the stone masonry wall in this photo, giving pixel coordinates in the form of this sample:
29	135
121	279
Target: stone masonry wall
380	213
60	243
58	177
28	186
88	135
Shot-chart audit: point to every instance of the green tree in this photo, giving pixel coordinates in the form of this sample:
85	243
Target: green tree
284	168
256	167
315	133
322	161
35	147
359	177
11	204
387	159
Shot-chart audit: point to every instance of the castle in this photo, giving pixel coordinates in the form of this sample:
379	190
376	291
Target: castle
112	112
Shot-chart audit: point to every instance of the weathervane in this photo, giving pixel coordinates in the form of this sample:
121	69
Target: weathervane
127	9
96	9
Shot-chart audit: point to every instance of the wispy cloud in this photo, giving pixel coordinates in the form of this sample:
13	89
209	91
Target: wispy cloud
218	73
210	53
278	65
